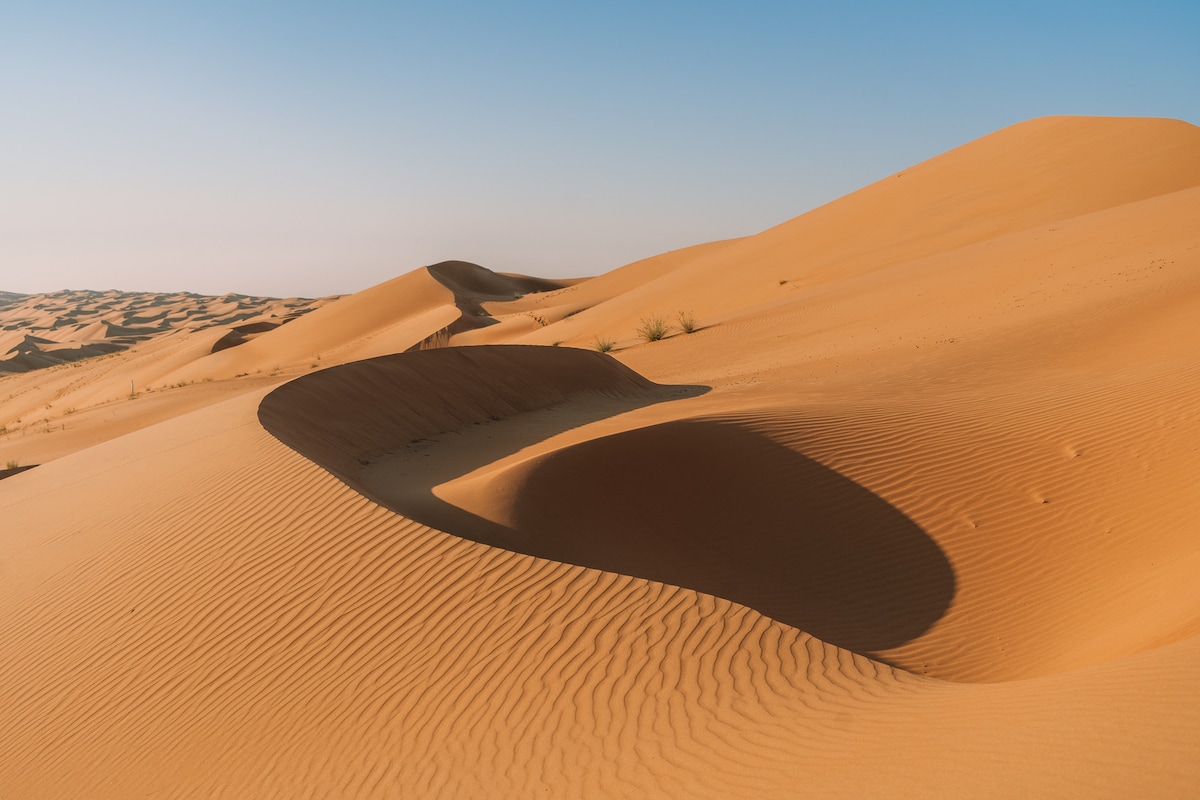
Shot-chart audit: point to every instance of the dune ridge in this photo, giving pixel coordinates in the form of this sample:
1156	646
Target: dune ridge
1036	174
204	353
389	402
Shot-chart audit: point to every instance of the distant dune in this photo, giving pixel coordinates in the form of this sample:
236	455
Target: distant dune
909	512
45	330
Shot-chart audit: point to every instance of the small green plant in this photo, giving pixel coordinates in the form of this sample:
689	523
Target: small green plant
13	463
687	322
652	329
604	345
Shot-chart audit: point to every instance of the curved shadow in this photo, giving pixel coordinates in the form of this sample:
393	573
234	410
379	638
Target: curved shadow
720	508
713	506
473	285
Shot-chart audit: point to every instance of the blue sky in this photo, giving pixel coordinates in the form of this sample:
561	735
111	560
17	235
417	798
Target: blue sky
310	148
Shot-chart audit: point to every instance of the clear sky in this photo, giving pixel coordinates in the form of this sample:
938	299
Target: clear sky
310	148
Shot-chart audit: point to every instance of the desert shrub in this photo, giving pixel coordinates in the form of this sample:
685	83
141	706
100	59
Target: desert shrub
604	345
13	463
652	329
687	321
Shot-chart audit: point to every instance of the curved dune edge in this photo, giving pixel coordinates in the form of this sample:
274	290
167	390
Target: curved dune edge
749	507
702	504
706	504
344	416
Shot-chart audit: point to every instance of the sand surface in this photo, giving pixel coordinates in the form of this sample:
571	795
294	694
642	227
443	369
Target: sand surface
912	512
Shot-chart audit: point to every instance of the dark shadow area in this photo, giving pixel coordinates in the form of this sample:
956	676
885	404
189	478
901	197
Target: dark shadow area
29	355
713	506
241	334
346	416
719	508
473	285
8	473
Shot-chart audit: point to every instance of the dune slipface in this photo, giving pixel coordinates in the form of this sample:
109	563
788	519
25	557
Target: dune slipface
346	415
910	513
716	506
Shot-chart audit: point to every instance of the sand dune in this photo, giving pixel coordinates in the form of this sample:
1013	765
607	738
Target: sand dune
1033	175
911	513
69	326
709	505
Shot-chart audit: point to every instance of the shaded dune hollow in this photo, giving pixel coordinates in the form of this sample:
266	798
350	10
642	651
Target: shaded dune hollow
710	504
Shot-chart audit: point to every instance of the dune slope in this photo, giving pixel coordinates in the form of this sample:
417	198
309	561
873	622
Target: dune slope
910	514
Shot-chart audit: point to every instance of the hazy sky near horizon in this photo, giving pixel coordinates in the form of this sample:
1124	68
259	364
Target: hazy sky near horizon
311	148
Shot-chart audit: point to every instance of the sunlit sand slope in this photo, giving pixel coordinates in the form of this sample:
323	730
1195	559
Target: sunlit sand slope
245	624
1023	180
1026	399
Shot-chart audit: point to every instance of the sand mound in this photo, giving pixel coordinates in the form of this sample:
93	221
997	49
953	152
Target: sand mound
420	308
706	505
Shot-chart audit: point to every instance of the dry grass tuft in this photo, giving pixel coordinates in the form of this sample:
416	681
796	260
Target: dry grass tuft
653	329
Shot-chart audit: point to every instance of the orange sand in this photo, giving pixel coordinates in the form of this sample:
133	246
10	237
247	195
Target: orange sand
911	514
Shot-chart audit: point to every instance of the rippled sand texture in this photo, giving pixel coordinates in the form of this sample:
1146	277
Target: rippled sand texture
912	513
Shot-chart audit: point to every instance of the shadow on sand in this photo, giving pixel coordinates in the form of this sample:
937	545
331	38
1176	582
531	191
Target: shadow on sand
710	505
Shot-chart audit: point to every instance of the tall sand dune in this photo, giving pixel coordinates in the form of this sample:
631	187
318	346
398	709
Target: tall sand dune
1030	176
910	513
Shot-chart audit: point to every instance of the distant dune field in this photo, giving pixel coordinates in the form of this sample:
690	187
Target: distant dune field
911	511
